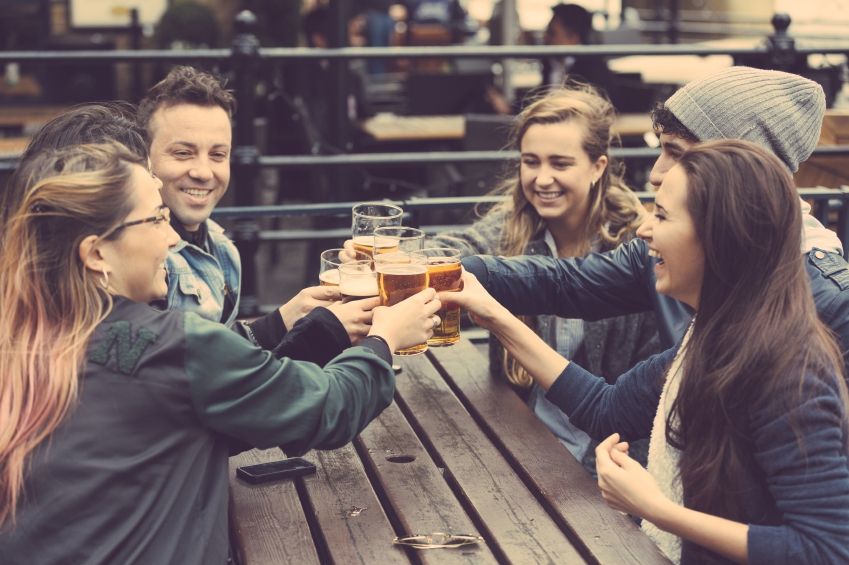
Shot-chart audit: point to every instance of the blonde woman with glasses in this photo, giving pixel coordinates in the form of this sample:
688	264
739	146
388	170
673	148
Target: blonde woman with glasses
116	419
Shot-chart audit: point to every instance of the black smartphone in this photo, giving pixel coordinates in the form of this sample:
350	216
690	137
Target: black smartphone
276	470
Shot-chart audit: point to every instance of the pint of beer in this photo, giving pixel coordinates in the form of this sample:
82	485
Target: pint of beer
366	217
400	276
445	271
371	245
357	280
390	239
328	274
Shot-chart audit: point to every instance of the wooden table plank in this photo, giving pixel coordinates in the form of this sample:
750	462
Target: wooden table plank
349	517
561	480
267	520
521	529
420	499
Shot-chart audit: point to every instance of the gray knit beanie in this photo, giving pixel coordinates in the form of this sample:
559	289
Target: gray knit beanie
780	111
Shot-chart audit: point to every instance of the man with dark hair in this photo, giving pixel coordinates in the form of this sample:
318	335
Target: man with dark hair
103	122
91	123
780	111
187	117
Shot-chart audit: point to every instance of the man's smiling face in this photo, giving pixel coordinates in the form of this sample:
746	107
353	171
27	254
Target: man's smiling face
190	151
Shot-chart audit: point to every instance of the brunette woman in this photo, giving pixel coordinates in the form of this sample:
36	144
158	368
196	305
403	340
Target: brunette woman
115	418
565	199
747	415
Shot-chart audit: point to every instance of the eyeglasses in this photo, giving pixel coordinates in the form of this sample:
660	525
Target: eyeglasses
437	540
165	215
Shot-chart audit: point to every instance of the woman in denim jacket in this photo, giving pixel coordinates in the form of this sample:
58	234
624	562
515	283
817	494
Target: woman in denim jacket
566	199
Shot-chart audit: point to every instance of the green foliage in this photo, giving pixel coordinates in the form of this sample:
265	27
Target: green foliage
191	24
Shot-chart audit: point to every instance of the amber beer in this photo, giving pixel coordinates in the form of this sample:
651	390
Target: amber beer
329	278
397	282
365	244
445	274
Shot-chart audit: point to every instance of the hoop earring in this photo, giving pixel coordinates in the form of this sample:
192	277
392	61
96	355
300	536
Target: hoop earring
104	283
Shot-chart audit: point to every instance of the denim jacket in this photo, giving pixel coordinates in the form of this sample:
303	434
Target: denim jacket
197	281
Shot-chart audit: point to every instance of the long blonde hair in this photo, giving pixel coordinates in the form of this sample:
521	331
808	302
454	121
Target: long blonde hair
50	305
614	212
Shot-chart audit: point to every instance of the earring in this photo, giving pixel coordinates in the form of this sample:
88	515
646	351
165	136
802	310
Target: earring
105	282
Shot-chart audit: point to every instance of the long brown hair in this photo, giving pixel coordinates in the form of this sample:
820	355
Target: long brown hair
49	305
614	211
756	335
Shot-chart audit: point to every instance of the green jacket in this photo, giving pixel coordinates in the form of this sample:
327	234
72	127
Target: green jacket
138	471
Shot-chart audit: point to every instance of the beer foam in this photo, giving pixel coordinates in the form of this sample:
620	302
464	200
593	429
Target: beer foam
330	277
360	286
401	269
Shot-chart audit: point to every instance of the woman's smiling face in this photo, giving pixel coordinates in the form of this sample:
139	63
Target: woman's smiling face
136	258
672	238
556	173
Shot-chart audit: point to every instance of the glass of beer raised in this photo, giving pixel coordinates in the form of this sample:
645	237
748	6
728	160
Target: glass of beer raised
366	218
328	273
357	280
397	239
400	276
444	271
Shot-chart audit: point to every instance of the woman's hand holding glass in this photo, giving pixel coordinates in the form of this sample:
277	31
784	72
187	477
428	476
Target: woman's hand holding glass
408	323
474	298
356	316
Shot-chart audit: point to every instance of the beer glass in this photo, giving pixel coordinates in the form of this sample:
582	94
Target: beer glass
368	216
328	273
397	239
400	276
357	280
444	271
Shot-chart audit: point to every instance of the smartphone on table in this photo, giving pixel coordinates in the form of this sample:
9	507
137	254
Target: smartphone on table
275	470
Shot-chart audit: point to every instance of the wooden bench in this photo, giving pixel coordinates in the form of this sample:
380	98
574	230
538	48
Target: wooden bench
458	452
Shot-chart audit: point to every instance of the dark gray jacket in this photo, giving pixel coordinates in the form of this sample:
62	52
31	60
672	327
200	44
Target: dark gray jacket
137	474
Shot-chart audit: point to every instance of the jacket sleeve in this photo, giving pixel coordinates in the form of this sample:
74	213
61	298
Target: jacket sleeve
247	393
807	476
600	285
318	337
481	238
601	409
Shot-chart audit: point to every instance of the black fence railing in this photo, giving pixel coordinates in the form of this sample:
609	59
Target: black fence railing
830	207
244	60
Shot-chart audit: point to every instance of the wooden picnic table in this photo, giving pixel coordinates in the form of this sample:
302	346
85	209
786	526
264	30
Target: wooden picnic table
457	452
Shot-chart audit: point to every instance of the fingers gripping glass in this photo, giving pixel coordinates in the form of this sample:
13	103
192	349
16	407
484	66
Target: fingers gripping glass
437	540
165	215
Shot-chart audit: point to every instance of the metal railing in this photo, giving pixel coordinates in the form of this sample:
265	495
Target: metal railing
827	202
246	56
